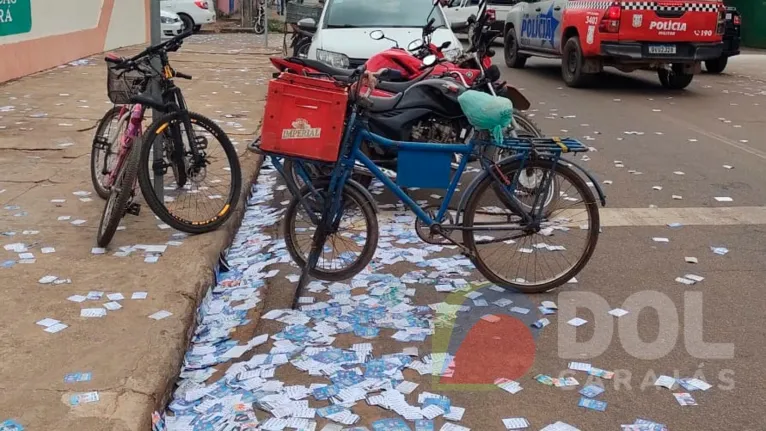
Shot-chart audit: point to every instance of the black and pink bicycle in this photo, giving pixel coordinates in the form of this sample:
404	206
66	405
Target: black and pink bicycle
190	183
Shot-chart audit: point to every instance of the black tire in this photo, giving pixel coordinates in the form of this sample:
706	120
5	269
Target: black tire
593	231
572	64
526	128
120	195
96	152
188	22
302	48
675	79
716	66
155	131
370	245
511	51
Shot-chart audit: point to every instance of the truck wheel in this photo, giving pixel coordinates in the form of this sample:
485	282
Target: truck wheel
572	64
511	51
717	65
675	79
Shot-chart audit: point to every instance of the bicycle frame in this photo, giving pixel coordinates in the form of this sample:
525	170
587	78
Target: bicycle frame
126	142
357	132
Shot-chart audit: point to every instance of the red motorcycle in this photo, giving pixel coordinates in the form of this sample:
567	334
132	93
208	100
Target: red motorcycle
409	66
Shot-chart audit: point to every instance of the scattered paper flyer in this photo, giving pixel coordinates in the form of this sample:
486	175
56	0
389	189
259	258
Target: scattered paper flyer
618	312
665	381
577	322
591	391
580	366
160	315
515	423
592	404
685	399
83	398
92	312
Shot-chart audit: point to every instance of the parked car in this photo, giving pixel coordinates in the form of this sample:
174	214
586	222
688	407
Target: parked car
193	13
342	36
458	11
172	25
675	39
731	41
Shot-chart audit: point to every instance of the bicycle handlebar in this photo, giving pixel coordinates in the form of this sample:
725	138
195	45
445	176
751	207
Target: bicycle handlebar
157	48
126	63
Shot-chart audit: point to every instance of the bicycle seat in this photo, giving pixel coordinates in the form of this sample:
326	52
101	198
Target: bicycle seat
381	104
400	86
321	67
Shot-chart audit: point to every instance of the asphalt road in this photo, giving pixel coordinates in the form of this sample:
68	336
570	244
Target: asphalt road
679	141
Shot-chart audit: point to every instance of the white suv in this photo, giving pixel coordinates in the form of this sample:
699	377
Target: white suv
194	13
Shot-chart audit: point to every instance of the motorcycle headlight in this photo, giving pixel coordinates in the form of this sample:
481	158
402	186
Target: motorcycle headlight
451	54
334	59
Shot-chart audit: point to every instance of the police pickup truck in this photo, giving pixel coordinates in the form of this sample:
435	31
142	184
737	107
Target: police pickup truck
670	36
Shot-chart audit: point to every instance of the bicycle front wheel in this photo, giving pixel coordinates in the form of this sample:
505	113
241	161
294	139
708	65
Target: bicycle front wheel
532	258
106	143
120	195
348	249
200	187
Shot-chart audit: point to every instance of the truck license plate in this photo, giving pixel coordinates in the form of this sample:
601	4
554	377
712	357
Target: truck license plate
662	49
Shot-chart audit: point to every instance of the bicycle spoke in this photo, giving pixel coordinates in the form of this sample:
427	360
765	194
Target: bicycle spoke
548	249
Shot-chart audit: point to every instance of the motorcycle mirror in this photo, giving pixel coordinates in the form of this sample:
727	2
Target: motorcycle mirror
415	45
307	24
445	45
377	35
429	60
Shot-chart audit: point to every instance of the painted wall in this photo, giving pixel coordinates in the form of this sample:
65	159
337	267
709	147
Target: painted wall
63	31
228	7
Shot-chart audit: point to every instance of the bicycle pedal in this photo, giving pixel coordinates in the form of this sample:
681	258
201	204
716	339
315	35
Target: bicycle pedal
134	209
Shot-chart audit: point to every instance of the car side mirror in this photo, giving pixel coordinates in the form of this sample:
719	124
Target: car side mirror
307	24
377	35
471	19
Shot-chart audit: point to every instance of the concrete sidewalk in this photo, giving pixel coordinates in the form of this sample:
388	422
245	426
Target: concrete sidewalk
43	156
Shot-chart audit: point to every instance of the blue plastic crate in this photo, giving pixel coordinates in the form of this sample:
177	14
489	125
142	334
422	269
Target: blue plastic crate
424	169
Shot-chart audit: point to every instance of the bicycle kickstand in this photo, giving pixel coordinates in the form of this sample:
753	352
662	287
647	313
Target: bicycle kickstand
316	250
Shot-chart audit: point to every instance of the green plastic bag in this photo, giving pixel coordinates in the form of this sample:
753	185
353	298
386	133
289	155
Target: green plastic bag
487	112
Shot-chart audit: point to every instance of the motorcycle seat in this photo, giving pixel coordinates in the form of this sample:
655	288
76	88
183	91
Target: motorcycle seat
399	87
322	67
382	104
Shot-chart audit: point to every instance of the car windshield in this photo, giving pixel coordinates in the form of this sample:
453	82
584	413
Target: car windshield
380	13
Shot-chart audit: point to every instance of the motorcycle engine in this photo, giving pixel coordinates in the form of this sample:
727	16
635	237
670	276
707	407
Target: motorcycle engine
436	130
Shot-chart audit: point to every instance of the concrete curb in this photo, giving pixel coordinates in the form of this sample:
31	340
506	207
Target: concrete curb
229	231
234	30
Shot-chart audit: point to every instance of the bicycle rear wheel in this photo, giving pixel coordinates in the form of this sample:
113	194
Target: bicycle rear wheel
205	197
120	195
106	143
532	259
347	250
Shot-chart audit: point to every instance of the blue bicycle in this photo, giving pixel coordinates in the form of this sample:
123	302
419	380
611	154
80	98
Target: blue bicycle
518	234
